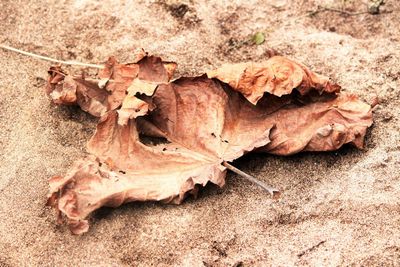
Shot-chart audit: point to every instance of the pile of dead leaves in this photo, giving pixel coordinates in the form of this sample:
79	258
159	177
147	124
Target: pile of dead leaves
159	139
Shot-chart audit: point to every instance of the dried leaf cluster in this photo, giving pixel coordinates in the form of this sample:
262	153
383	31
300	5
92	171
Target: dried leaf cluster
278	106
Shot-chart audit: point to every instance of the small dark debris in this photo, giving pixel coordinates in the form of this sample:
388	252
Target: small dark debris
238	264
373	8
71	55
301	254
232	42
220	249
387	116
39	82
178	10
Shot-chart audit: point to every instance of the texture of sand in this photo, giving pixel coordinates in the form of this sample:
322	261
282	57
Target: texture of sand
337	209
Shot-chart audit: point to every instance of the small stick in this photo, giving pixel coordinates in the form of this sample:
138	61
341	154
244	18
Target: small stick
72	63
273	191
342	11
325	8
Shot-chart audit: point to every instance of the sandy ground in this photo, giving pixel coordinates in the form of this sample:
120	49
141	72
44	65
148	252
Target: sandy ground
338	209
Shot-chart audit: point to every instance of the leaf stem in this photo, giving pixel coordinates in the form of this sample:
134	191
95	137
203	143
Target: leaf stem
51	59
273	191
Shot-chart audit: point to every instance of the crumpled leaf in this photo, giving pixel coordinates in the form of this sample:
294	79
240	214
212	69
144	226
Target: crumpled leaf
318	123
108	92
68	90
278	76
133	107
205	124
301	123
202	123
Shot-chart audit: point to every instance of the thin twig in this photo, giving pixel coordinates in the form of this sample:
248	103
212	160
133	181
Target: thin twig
342	11
324	8
72	63
273	191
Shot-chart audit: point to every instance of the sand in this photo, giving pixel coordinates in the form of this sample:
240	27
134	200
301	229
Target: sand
337	209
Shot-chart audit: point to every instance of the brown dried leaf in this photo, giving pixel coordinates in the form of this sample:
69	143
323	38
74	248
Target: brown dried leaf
68	90
206	123
319	123
210	125
278	76
302	123
132	107
108	92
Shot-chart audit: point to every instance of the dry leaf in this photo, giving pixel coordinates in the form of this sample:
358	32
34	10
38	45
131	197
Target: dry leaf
202	123
278	76
302	123
98	96
68	90
318	123
206	126
133	107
